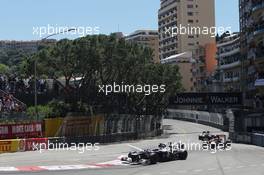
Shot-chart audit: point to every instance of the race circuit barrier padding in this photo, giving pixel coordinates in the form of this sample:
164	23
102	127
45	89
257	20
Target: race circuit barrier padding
20	145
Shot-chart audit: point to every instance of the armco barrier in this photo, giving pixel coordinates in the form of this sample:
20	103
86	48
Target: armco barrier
17	145
12	145
241	137
212	119
258	139
33	143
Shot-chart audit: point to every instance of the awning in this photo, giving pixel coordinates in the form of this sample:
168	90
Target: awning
259	82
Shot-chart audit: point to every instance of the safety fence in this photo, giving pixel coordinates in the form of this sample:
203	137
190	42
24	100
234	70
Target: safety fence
248	138
207	118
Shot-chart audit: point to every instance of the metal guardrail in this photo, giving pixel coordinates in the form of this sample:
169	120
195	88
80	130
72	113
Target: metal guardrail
258	139
248	138
241	137
216	120
196	116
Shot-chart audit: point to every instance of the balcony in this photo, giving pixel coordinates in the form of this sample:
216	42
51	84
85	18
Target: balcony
228	52
259	29
229	80
256	54
231	65
257	6
259	83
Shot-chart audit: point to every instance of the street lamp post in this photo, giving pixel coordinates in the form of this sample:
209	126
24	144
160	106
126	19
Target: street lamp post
35	70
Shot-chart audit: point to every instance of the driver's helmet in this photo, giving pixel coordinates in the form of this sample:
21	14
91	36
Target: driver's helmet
162	145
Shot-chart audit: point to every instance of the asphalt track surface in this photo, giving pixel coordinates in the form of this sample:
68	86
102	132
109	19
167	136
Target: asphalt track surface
240	160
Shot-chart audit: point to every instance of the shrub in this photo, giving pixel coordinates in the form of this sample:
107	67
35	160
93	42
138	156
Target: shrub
43	112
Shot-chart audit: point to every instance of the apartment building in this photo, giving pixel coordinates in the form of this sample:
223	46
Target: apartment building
229	63
185	62
199	14
252	51
148	38
24	45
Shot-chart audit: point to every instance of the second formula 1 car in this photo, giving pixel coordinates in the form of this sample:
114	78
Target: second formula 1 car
218	142
205	136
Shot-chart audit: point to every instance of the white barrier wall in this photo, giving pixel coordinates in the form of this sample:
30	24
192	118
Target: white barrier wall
198	116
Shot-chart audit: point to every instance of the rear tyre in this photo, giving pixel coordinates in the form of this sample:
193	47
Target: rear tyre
183	155
153	159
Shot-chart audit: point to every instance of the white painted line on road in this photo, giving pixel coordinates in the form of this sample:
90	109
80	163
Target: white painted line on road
182	171
198	170
238	167
113	162
62	167
135	147
66	167
92	166
212	169
8	169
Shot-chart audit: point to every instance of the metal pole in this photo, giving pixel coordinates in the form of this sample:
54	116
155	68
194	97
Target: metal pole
35	84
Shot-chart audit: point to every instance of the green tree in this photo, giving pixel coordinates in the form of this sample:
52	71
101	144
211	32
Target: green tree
101	60
4	69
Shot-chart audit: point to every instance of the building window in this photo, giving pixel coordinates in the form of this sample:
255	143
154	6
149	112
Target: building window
190	13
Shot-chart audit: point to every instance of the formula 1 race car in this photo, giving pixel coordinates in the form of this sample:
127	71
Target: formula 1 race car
205	136
163	153
218	142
